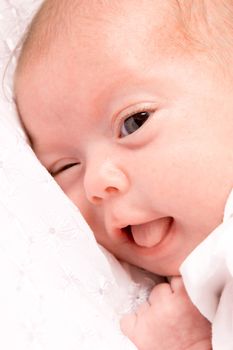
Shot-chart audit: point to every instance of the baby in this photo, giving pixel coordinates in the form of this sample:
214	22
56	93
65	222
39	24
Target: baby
129	106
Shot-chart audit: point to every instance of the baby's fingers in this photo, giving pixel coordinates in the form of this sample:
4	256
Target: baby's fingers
177	285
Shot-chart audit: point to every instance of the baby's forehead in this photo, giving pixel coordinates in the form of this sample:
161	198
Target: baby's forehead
72	22
178	25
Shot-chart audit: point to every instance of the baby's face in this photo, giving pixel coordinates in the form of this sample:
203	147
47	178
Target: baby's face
136	134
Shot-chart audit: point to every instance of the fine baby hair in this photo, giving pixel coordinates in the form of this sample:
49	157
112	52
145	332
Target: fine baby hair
203	25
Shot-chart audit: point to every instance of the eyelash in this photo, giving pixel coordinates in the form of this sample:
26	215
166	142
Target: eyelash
63	168
133	113
120	124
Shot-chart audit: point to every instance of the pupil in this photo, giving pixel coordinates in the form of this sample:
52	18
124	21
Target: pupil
135	121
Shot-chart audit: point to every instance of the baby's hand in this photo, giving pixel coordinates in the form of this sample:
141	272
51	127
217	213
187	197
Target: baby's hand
168	321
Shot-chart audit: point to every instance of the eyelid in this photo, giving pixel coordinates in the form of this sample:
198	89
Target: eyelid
57	167
129	112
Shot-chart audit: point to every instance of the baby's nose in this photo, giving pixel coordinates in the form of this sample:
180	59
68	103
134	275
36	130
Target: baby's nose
104	180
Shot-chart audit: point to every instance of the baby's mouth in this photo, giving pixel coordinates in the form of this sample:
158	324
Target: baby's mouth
149	234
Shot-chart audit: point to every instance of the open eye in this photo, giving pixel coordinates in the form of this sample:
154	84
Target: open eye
63	168
133	123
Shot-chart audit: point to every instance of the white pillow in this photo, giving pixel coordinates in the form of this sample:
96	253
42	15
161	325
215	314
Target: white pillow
59	289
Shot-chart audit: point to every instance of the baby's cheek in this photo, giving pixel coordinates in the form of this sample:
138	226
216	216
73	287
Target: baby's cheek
85	207
78	197
93	214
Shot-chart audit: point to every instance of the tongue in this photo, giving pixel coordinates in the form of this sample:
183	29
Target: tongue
150	234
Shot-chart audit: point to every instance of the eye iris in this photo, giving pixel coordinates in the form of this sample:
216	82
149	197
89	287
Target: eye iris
134	122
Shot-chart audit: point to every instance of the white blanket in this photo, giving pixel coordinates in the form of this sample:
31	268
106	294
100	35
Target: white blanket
59	289
208	277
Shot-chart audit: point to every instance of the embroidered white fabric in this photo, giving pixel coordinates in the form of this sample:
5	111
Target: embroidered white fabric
59	289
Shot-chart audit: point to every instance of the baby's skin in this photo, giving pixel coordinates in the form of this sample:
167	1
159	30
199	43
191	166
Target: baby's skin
128	105
168	321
